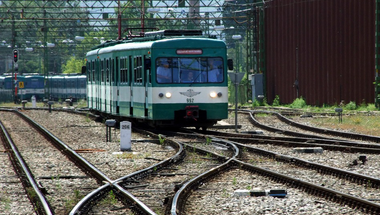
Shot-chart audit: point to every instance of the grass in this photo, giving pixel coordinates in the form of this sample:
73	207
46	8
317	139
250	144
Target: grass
362	118
369	125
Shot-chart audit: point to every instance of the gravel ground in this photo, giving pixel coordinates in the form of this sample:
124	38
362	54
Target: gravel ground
216	197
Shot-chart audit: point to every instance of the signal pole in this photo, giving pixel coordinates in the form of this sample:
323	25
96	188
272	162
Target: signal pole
15	59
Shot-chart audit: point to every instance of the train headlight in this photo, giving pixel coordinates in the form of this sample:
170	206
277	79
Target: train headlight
161	95
213	94
168	95
220	94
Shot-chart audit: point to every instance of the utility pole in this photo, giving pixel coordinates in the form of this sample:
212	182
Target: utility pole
14	62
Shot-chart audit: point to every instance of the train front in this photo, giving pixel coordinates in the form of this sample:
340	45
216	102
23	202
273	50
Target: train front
190	82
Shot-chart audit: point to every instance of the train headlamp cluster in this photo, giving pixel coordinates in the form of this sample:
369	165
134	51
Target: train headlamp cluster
214	94
167	95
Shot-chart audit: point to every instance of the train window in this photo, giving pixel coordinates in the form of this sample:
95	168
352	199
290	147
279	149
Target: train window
123	70
138	69
89	72
93	70
107	71
112	70
102	71
147	66
189	70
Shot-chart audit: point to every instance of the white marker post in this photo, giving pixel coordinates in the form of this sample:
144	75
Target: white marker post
125	136
33	101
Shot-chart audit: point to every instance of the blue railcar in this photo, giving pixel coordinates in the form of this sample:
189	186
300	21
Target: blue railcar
64	87
61	87
5	93
29	86
57	86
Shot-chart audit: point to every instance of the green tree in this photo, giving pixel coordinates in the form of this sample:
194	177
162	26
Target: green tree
73	65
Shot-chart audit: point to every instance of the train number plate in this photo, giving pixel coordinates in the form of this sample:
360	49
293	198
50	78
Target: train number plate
190	100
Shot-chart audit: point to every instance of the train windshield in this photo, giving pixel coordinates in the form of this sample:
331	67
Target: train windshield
189	70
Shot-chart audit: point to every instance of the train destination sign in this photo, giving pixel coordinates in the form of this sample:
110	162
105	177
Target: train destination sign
189	51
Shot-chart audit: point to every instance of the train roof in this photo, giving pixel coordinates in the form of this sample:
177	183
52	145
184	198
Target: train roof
34	76
78	76
151	44
150	39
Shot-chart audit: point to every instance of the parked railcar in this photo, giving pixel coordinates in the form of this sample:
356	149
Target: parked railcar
29	86
23	87
76	86
125	79
64	87
5	93
56	85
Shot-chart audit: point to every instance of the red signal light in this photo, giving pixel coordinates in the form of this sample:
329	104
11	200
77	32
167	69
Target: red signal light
15	55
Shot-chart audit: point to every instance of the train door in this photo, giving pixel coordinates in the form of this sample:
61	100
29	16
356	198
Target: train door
107	87
101	90
91	92
142	93
117	85
148	84
104	90
97	82
139	92
131	82
112	83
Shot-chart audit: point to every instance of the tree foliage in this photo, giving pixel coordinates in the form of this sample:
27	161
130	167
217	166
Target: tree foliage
73	65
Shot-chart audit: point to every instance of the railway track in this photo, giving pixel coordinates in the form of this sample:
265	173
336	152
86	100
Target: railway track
227	161
20	171
87	167
298	166
320	132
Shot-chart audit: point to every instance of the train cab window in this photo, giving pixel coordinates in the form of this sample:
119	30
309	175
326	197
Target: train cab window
189	70
164	71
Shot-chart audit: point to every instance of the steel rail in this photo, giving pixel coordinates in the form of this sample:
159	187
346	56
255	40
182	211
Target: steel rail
87	167
328	131
344	174
313	189
181	195
295	140
39	200
84	205
330	194
333	145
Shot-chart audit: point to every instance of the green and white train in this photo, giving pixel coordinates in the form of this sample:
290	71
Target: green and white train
125	80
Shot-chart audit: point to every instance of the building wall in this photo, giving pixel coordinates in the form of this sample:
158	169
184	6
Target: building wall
328	46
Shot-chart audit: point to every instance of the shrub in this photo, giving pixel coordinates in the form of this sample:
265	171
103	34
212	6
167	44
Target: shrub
256	103
371	107
350	106
298	103
276	101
